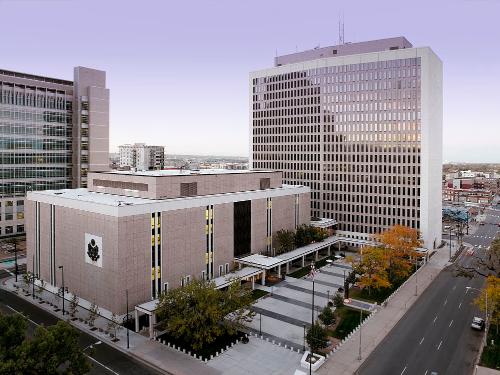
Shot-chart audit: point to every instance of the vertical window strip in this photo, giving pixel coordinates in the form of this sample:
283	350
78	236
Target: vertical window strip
158	253
153	258
36	266
52	244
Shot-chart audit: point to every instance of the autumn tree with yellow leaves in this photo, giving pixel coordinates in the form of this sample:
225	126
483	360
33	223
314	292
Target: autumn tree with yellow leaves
492	289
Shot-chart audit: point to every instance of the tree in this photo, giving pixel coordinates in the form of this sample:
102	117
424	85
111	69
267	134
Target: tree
316	337
489	265
307	234
285	240
338	300
51	350
73	305
400	244
327	316
40	288
198	313
372	269
93	313
492	289
114	326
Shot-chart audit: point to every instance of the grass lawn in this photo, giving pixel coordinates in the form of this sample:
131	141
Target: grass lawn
491	353
349	319
375	295
257	293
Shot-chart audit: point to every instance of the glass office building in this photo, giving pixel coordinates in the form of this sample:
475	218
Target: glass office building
45	136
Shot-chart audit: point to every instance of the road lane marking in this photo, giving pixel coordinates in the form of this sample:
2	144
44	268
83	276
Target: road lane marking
421	341
38	325
460	305
454	287
402	372
440	342
426	372
450	323
445	301
434	321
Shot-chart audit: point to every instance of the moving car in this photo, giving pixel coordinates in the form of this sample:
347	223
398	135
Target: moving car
477	323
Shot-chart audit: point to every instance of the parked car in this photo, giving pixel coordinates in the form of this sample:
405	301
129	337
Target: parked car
477	323
481	223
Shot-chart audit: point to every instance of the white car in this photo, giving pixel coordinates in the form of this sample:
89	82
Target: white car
477	323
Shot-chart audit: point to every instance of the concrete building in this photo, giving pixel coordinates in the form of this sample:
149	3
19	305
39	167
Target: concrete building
150	231
361	124
142	157
52	132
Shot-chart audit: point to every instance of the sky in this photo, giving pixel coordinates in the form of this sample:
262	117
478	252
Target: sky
178	70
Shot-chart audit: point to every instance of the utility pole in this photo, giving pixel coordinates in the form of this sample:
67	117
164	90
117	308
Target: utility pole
360	321
15	256
312	320
33	277
416	275
450	242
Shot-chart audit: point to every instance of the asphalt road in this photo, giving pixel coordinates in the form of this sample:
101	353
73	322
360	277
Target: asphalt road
435	334
105	359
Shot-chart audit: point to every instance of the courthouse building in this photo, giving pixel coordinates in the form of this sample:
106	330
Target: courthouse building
153	230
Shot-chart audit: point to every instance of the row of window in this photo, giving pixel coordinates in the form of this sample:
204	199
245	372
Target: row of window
34	172
9	229
35	99
42	130
35	116
35	158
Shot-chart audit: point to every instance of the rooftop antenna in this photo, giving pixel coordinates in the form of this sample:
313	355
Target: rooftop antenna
341	29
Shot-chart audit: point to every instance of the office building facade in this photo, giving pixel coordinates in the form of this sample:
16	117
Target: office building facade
150	231
141	157
52	132
361	124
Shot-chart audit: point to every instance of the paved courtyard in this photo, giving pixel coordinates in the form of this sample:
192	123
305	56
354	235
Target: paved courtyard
283	314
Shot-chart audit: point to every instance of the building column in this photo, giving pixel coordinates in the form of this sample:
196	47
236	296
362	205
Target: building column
279	271
303	260
151	325
329	250
316	255
287	267
253	282
263	281
239	266
136	313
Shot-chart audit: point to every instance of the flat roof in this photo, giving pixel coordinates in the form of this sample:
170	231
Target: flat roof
186	172
34	77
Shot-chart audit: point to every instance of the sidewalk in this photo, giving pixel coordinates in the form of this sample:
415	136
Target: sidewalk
485	371
158	356
345	360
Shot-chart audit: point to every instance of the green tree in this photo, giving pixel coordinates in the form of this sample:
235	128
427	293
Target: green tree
327	316
285	240
51	350
114	326
198	313
338	300
307	234
316	337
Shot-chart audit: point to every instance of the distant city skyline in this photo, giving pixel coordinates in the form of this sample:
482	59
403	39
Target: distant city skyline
178	72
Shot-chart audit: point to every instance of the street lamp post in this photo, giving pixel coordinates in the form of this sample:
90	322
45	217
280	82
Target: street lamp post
486	317
62	275
91	346
304	344
416	275
128	339
15	257
33	277
328	294
312	319
450	242
360	321
260	324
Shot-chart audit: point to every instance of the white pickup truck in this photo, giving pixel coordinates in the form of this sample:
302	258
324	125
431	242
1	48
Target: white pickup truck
477	323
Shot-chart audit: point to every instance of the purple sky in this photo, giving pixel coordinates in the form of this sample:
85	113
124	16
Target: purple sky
178	71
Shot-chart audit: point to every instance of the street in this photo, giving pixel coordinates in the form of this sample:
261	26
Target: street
105	359
435	334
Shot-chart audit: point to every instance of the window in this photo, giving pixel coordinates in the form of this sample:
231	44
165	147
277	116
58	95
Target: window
221	270
165	287
9	230
265	183
203	275
189	189
20	228
227	268
8	216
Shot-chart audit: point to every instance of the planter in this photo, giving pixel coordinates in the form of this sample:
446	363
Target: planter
115	340
317	361
93	329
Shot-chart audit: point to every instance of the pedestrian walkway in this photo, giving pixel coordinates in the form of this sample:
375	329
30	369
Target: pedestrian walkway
285	313
485	371
345	360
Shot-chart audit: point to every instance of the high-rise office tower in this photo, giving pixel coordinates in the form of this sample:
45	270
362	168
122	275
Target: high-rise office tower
52	132
142	157
361	124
